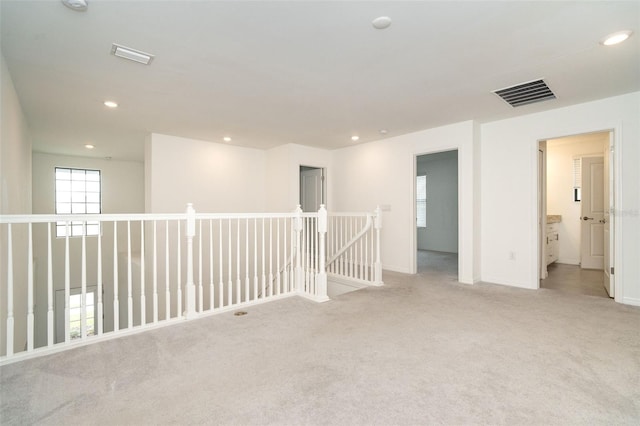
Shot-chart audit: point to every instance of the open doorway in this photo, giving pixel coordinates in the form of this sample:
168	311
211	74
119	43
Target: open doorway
312	188
575	177
436	201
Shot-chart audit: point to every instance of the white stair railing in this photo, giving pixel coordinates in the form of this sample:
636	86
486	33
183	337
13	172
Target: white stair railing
123	273
354	247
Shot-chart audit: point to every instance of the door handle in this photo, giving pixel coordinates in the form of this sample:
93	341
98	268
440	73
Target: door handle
587	218
602	221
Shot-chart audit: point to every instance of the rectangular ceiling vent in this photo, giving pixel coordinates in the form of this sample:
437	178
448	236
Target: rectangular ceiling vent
526	93
131	54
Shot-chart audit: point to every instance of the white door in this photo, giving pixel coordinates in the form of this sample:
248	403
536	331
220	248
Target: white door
592	216
311	189
608	218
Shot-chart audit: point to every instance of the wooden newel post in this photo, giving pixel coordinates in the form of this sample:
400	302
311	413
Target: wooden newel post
190	303
378	263
297	227
321	277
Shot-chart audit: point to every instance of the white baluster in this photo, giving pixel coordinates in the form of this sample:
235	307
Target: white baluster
255	258
351	249
167	280
263	289
270	257
179	273
308	237
67	285
278	265
200	294
190	285
246	260
372	265
298	238
30	318
50	318
285	283
129	279
143	299
367	264
10	319
83	284
98	322
220	266
342	240
378	265
155	272
321	279
116	302
361	251
230	272
211	290
238	280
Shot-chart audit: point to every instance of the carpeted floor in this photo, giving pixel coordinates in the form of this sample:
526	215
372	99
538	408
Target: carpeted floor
423	349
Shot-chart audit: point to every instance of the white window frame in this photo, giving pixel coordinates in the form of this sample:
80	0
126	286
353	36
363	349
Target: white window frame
59	311
421	201
77	195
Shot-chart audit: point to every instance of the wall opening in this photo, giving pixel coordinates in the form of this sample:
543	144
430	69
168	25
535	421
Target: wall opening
436	212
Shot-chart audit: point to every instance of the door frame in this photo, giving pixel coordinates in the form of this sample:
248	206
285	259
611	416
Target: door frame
324	183
414	234
615	149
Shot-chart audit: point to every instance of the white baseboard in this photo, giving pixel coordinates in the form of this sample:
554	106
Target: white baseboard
631	301
501	281
569	261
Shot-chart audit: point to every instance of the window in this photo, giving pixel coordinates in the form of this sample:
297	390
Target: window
77	192
75	313
421	201
577	179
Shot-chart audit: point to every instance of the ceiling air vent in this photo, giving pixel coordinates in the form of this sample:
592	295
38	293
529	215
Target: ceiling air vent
526	93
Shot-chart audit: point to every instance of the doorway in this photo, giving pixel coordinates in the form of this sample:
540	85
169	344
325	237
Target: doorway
312	188
575	181
436	210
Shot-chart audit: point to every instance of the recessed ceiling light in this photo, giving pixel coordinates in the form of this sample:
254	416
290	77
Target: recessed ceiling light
383	131
355	138
110	104
381	22
226	139
131	54
616	38
89	146
78	5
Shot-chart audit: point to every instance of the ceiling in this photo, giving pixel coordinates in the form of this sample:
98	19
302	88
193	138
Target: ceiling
268	73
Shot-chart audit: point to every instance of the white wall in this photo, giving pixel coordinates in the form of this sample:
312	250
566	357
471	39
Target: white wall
15	196
122	192
216	178
441	232
383	173
509	189
560	155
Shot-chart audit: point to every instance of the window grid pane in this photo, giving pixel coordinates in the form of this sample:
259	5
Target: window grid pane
421	201
77	192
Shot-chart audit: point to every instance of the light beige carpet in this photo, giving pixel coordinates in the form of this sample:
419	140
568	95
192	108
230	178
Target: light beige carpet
421	350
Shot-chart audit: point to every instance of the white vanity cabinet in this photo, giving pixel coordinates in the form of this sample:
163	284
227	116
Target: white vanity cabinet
552	242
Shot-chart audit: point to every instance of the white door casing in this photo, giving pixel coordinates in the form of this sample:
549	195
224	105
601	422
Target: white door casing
592	213
311	189
608	217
